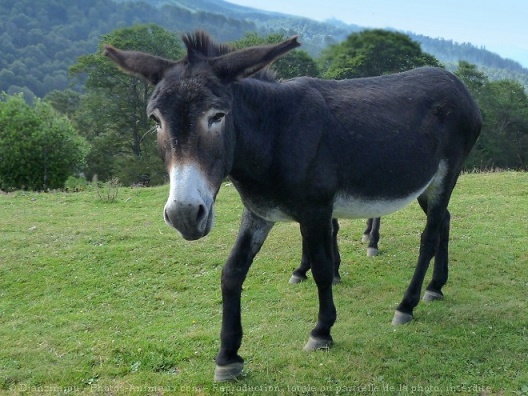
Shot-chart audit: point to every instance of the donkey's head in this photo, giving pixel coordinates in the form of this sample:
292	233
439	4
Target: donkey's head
191	105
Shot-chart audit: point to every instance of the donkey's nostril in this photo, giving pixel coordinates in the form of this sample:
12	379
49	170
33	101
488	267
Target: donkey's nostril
201	213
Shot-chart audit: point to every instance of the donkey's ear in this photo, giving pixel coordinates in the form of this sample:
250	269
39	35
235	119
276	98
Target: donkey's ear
151	67
248	61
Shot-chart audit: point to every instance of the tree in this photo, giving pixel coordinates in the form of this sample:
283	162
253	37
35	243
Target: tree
373	53
504	138
65	102
112	114
474	79
38	148
503	141
294	64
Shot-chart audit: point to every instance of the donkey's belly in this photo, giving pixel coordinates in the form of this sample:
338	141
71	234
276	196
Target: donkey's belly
350	207
345	207
356	207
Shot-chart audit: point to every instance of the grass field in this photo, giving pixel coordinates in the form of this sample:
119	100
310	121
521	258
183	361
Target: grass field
103	298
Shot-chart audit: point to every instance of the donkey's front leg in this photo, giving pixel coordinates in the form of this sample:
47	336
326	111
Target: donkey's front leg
317	242
253	231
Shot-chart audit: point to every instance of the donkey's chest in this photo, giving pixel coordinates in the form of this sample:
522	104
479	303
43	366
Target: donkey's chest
274	214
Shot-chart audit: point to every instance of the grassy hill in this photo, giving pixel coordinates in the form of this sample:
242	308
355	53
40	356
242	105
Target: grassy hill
100	297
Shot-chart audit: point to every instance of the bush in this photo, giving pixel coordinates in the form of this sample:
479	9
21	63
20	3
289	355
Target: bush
39	149
75	184
107	191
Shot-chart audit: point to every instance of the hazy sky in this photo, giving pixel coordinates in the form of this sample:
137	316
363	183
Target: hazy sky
500	26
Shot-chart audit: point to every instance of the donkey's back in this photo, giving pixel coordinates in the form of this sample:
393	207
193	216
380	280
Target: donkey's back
424	100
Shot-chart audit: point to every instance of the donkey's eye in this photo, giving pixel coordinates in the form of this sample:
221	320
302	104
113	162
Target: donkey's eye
216	118
156	120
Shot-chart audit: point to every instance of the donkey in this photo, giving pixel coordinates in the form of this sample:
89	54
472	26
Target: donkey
370	236
305	150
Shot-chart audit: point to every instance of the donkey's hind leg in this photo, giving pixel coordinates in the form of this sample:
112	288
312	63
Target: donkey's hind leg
371	236
299	274
366	234
440	271
434	243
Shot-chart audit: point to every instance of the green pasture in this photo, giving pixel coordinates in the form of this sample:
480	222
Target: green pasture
100	297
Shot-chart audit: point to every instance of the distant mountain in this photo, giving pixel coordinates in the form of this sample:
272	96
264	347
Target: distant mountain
40	39
317	35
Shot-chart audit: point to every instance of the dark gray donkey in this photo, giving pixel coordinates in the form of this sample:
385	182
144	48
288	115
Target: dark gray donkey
305	150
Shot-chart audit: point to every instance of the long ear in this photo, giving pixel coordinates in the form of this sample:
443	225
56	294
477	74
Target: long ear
151	67
248	61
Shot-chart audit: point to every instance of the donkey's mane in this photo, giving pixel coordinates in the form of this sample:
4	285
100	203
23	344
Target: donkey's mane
201	42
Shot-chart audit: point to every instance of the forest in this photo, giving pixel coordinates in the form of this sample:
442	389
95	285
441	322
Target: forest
100	112
41	39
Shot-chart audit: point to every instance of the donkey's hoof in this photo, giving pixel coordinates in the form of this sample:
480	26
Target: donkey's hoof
365	238
315	344
296	279
401	318
371	252
336	280
229	372
432	296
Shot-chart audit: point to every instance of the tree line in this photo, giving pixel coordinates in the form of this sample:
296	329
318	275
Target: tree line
111	136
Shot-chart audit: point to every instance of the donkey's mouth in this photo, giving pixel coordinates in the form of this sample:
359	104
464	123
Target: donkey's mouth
191	222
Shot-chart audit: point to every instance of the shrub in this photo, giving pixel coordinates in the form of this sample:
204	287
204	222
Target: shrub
39	149
107	191
75	184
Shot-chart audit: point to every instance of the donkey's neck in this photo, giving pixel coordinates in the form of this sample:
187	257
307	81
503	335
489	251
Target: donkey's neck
258	111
